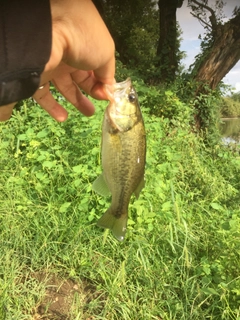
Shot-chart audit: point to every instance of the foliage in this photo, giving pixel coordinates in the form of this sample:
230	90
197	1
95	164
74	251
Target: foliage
136	31
134	26
179	103
180	259
230	106
230	130
236	96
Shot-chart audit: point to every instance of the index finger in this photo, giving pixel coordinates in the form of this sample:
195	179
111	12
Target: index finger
105	74
88	82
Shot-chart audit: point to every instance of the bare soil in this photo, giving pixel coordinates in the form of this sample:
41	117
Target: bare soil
59	298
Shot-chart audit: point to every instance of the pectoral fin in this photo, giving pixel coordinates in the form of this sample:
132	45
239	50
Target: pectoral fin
139	187
100	186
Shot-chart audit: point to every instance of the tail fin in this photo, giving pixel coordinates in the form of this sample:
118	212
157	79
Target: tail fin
117	225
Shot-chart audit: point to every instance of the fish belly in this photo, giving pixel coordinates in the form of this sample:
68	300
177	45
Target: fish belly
123	161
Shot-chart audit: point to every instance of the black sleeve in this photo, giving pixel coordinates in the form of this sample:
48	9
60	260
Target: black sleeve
25	47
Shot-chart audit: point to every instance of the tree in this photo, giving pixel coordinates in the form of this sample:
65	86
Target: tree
220	49
134	28
221	44
146	35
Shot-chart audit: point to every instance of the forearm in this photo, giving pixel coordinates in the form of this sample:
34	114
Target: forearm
25	47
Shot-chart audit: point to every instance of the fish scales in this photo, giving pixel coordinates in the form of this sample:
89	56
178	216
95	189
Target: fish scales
124	176
123	156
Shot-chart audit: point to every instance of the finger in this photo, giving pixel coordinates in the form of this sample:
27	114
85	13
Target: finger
45	99
70	90
105	74
6	111
63	77
87	81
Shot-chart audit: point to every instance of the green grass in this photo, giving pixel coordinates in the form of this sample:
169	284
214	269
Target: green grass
180	259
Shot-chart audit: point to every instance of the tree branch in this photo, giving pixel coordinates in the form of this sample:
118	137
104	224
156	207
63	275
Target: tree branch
201	20
212	18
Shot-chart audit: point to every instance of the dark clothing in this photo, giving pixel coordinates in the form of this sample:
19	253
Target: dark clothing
25	47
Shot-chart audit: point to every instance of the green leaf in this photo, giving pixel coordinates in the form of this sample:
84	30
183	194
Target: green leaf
77	169
166	206
209	291
64	207
22	137
48	164
42	134
169	93
216	206
40	175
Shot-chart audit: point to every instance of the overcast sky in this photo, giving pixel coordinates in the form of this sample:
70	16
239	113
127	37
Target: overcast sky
191	44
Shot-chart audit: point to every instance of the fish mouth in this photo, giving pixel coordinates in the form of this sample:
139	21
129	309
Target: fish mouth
120	111
118	90
123	85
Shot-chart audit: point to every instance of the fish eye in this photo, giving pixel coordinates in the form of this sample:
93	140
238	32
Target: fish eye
131	97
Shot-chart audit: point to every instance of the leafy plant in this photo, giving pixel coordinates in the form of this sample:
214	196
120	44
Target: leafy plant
180	257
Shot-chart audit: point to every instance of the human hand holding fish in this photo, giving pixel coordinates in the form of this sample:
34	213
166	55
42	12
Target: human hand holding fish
82	58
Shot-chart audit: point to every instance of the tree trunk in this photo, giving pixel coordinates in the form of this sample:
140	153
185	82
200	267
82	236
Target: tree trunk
219	59
223	55
167	45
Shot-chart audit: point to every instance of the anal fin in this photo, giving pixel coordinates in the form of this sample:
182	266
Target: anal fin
139	187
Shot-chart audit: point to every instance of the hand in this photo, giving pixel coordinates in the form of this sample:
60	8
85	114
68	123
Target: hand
82	56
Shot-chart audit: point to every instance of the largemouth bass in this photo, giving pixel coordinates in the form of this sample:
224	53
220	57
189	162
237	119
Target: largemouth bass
123	156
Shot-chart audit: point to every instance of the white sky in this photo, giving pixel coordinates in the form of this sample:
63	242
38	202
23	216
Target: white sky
191	29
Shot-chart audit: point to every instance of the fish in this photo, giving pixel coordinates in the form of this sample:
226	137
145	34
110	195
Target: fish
123	153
